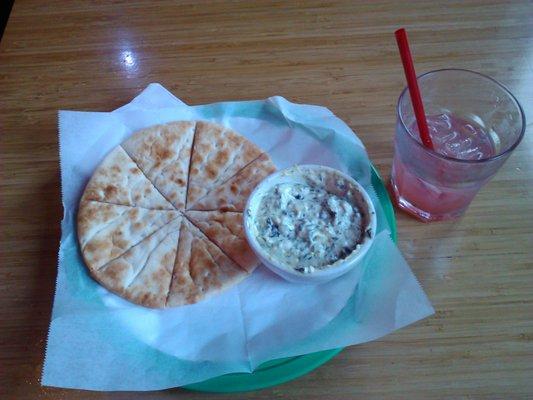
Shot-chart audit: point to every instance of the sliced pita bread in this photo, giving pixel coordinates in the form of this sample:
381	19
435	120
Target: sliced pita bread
118	180
142	274
106	231
218	154
201	269
225	229
163	153
233	194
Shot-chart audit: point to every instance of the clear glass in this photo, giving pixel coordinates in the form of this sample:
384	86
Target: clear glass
475	123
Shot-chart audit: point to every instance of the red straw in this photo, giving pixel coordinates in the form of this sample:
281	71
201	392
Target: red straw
414	91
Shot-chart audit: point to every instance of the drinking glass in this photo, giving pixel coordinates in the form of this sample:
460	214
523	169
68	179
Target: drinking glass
474	122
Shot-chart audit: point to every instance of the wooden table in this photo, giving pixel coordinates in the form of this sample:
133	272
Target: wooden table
478	271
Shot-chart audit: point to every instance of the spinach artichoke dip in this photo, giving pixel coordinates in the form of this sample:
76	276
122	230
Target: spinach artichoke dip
311	225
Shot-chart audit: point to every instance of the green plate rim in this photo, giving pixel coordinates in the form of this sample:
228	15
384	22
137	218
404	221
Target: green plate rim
283	370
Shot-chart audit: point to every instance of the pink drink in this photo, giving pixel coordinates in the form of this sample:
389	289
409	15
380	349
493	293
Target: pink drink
474	123
437	196
457	138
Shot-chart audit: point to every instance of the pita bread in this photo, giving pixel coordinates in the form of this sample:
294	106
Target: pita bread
106	231
132	233
118	180
233	194
142	274
218	154
201	269
163	153
226	230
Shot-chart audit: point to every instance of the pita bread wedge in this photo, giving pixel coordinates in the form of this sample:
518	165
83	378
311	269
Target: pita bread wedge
218	154
225	229
118	180
201	269
106	231
142	274
163	153
233	194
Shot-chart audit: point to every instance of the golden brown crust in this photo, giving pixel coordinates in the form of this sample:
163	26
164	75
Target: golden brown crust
225	229
142	274
201	269
163	153
106	231
218	154
233	194
182	288
118	180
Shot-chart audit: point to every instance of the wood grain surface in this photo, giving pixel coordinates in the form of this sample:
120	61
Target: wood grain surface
97	55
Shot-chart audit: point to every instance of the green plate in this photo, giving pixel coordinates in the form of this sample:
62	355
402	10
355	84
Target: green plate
283	370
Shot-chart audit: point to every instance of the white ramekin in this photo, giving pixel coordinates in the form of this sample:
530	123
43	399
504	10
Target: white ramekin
296	175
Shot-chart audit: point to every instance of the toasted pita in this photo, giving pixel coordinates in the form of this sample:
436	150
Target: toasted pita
233	194
137	244
226	230
118	180
201	269
106	231
142	274
218	154
163	153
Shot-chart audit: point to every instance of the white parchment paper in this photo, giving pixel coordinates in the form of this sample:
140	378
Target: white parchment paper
99	341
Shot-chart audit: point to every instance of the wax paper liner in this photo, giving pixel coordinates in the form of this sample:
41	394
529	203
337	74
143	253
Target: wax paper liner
99	341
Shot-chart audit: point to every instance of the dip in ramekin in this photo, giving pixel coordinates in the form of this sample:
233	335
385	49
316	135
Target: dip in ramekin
310	223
